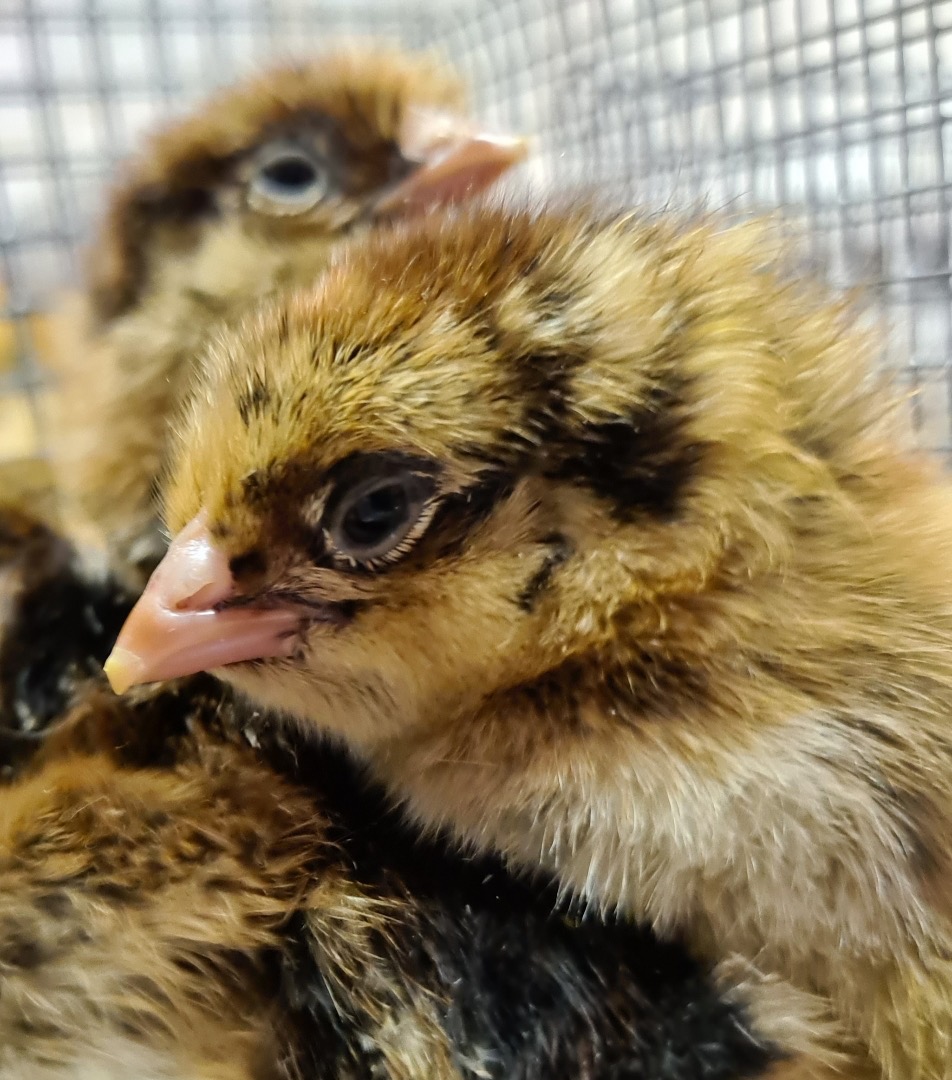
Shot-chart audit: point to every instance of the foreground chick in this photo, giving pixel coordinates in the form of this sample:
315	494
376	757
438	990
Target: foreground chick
593	536
242	198
187	892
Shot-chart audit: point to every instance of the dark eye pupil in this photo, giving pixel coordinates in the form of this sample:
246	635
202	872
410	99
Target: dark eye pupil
376	515
290	172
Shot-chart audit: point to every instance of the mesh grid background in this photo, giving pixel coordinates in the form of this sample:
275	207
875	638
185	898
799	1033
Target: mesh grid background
836	112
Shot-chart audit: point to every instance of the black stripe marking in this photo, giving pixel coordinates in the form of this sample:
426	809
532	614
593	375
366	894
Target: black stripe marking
460	514
640	463
559	551
254	399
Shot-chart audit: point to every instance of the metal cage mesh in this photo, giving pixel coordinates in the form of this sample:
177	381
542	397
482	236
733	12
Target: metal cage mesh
836	112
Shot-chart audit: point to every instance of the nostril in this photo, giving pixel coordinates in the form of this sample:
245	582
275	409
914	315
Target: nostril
194	575
207	596
198	575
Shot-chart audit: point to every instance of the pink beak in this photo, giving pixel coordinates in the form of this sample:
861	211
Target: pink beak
178	627
456	161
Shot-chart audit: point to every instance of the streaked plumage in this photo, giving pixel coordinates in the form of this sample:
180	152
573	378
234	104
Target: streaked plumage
188	891
595	537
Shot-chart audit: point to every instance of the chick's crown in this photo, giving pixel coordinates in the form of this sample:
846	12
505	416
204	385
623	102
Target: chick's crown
631	357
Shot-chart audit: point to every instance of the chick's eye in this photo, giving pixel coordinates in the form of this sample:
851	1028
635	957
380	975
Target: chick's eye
376	516
286	180
373	519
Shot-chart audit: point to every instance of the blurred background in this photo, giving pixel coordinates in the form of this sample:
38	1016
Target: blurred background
836	112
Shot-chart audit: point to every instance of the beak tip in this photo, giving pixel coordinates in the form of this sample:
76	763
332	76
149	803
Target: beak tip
122	670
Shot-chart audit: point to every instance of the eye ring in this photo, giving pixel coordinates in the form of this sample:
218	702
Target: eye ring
377	520
286	180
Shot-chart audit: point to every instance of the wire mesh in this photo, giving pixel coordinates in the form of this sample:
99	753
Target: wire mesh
836	112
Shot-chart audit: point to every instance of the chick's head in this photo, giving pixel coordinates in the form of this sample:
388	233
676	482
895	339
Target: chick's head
494	453
245	198
248	193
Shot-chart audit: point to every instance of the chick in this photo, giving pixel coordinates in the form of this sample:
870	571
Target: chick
187	891
244	197
596	537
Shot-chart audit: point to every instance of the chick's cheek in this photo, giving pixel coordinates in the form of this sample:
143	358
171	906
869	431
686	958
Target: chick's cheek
411	659
368	696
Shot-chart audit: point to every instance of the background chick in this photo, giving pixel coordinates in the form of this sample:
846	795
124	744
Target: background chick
187	892
243	198
606	554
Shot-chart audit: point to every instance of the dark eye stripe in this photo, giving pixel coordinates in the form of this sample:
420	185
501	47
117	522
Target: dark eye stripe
460	514
638	460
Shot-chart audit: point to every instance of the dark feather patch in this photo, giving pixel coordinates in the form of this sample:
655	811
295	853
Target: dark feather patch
254	399
256	484
119	267
639	463
538	999
65	628
248	564
459	515
559	551
21	953
178	206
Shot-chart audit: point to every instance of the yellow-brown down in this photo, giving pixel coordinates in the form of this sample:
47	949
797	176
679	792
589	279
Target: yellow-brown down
667	605
189	891
195	230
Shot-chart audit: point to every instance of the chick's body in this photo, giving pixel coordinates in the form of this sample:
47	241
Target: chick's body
242	199
188	891
606	553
